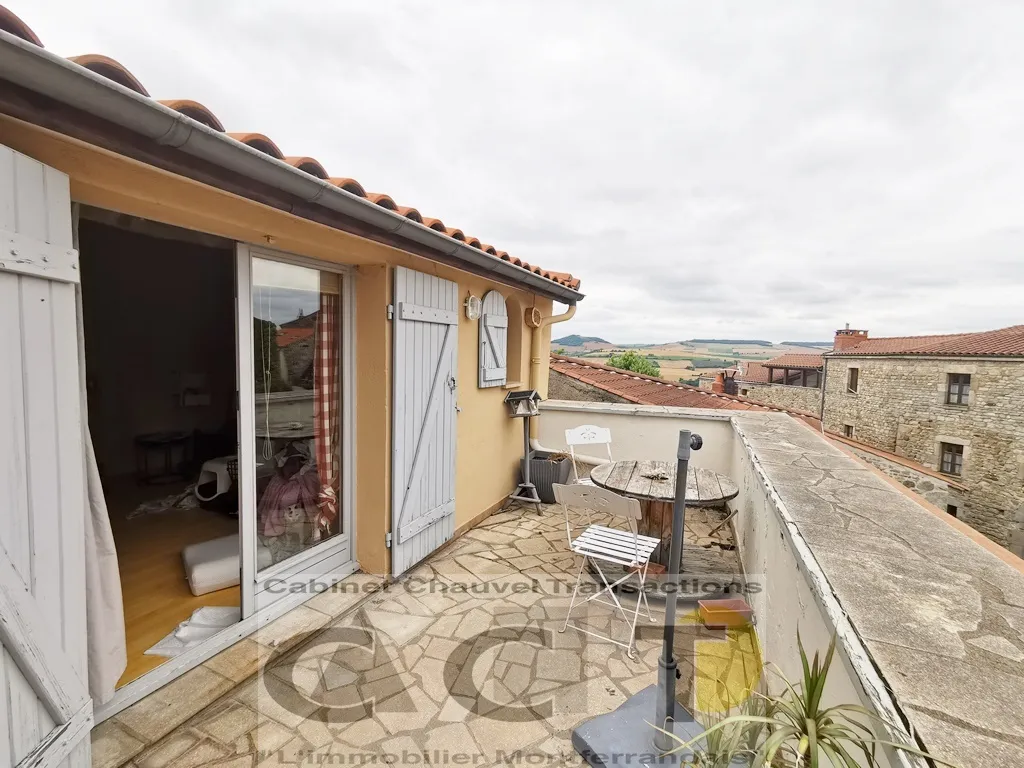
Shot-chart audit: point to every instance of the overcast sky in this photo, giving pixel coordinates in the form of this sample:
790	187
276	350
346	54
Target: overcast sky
740	169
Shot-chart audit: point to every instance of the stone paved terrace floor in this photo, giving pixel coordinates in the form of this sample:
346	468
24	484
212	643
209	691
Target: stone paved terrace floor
462	659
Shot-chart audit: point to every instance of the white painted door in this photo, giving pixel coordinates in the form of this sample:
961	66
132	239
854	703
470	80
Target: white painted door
426	341
45	709
296	418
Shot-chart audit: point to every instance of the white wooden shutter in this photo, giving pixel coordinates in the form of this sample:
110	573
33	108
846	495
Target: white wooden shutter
493	340
45	709
426	343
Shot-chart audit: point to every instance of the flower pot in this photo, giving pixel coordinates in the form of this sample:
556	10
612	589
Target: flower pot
729	613
544	473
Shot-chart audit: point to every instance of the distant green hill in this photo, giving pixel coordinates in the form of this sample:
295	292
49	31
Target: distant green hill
758	342
808	343
575	340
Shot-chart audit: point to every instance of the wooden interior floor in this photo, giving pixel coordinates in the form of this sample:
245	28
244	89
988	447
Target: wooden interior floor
156	595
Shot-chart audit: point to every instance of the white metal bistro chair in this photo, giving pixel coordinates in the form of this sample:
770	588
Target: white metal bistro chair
599	544
587	434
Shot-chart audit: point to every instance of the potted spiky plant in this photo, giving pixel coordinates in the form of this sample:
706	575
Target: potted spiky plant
793	730
733	745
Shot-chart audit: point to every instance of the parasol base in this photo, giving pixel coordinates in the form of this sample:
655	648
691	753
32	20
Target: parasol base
625	737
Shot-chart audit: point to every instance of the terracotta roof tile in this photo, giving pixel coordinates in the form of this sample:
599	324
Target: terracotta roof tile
15	26
410	213
349	185
561	275
309	165
260	143
384	201
1004	342
116	72
795	360
110	69
196	111
288	336
648	390
753	373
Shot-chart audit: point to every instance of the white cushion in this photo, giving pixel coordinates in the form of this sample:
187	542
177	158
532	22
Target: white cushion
215	564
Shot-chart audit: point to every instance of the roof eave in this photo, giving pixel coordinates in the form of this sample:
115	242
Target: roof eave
45	73
934	355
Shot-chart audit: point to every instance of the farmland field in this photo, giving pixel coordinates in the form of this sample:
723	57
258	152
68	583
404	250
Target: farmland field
685	360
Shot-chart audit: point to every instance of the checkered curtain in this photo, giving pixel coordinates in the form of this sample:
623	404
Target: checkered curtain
326	386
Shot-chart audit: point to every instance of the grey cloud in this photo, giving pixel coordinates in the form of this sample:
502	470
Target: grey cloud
708	169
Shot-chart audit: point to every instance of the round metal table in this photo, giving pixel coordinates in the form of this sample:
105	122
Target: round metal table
163	446
653	484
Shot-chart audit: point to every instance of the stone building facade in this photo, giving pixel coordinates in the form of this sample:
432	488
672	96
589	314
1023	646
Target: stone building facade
797	398
884	393
791	381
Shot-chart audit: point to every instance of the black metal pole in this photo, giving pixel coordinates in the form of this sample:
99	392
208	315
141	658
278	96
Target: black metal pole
526	451
666	703
528	486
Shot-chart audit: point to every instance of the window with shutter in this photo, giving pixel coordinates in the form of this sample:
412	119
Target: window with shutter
493	340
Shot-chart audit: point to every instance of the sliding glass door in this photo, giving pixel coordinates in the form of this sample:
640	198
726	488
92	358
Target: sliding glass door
295	419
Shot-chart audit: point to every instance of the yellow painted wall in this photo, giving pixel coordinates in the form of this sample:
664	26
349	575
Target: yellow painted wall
489	444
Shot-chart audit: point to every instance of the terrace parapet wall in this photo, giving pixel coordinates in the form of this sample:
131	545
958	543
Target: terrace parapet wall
923	606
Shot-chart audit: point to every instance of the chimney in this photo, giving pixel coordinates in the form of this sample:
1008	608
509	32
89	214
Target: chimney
719	383
731	387
847	337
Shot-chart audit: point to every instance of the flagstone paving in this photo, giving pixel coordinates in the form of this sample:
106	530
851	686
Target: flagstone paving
462	662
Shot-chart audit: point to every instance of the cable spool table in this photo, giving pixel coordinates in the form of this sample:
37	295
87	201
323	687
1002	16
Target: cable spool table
653	484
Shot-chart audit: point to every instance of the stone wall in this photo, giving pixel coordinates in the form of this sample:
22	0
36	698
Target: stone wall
900	407
933	489
1017	537
562	387
784	396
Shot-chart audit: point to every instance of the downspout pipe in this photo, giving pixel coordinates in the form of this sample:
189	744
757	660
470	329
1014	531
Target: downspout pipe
55	77
537	353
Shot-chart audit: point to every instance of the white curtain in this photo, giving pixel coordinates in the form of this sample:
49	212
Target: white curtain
104	608
108	655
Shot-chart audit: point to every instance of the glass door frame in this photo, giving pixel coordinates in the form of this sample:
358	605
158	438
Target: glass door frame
302	575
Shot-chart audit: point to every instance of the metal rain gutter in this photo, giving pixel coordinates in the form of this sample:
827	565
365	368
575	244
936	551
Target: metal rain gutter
53	76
